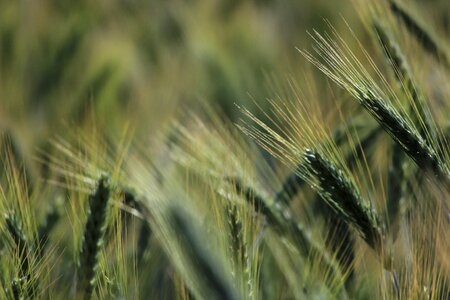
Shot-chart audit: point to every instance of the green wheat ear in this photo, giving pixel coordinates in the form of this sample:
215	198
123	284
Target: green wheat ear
399	173
293	183
411	142
93	238
344	198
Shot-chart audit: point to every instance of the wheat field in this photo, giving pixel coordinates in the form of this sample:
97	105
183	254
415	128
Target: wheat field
225	149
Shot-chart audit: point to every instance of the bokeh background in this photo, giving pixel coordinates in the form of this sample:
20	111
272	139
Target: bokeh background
67	64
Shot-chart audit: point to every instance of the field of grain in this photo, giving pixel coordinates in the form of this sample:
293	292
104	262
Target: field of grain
225	149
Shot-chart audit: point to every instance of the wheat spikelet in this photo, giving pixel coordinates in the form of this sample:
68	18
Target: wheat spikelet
237	246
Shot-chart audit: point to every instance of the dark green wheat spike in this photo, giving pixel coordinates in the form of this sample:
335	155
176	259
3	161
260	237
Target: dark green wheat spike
293	183
402	133
343	197
93	238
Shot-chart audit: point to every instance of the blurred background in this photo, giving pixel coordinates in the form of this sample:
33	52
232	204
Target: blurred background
69	63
